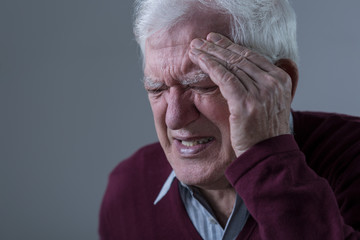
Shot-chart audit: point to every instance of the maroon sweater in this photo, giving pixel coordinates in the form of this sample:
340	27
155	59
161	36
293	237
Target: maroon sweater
305	186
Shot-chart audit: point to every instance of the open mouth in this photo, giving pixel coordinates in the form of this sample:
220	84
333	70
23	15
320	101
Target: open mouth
196	142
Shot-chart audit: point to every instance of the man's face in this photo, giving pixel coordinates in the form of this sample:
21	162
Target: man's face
191	116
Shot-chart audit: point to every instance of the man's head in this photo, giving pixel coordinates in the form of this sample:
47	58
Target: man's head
191	116
265	26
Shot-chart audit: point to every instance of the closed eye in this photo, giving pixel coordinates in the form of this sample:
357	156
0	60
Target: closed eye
155	91
209	89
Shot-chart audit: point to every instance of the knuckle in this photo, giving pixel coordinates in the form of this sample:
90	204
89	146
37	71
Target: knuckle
241	50
215	66
227	77
287	82
226	43
208	47
267	92
246	53
237	71
269	80
235	59
271	86
283	76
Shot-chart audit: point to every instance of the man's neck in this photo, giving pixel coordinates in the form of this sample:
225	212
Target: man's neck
222	202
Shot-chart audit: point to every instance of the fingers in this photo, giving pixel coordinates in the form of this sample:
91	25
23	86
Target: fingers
229	59
230	86
226	69
254	71
257	92
226	43
218	70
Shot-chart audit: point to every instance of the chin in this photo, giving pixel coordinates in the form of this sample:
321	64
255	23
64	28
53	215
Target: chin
204	171
202	178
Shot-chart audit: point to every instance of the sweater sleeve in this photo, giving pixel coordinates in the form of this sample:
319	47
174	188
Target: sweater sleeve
287	199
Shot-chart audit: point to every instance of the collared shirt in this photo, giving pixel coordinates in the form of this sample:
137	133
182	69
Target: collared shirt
202	216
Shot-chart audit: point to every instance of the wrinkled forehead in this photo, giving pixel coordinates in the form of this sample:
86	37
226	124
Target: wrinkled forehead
196	25
167	51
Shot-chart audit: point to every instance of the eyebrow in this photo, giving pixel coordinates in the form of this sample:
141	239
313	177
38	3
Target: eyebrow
187	80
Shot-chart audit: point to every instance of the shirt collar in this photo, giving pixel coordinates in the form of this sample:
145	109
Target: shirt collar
166	187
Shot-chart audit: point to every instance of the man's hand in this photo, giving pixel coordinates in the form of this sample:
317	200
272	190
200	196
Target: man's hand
258	92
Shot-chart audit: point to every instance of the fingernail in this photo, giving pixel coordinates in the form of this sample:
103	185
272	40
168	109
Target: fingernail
214	37
197	43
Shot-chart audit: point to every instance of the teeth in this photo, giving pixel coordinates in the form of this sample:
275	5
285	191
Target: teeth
196	142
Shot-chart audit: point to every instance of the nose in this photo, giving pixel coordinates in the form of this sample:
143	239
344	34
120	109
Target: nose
181	109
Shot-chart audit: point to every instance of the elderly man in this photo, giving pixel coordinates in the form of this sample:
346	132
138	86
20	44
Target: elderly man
233	161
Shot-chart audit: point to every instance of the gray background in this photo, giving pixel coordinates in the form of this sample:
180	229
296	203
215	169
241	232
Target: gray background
72	104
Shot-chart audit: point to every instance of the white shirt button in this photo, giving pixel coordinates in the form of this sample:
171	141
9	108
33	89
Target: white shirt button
213	221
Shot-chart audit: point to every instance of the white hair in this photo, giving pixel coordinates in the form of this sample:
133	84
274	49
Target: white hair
265	26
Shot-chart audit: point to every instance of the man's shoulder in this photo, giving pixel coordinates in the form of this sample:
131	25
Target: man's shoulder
307	124
317	118
142	174
330	142
132	188
147	168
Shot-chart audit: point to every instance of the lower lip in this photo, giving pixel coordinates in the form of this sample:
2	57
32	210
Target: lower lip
193	150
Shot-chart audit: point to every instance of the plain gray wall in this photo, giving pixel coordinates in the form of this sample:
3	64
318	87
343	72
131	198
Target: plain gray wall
72	104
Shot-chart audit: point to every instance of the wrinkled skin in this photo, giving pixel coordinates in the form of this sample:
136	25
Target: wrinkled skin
204	125
258	93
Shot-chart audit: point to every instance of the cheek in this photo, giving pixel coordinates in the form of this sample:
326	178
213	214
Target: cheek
158	108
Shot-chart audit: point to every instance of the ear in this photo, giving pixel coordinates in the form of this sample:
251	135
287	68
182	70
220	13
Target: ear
290	67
